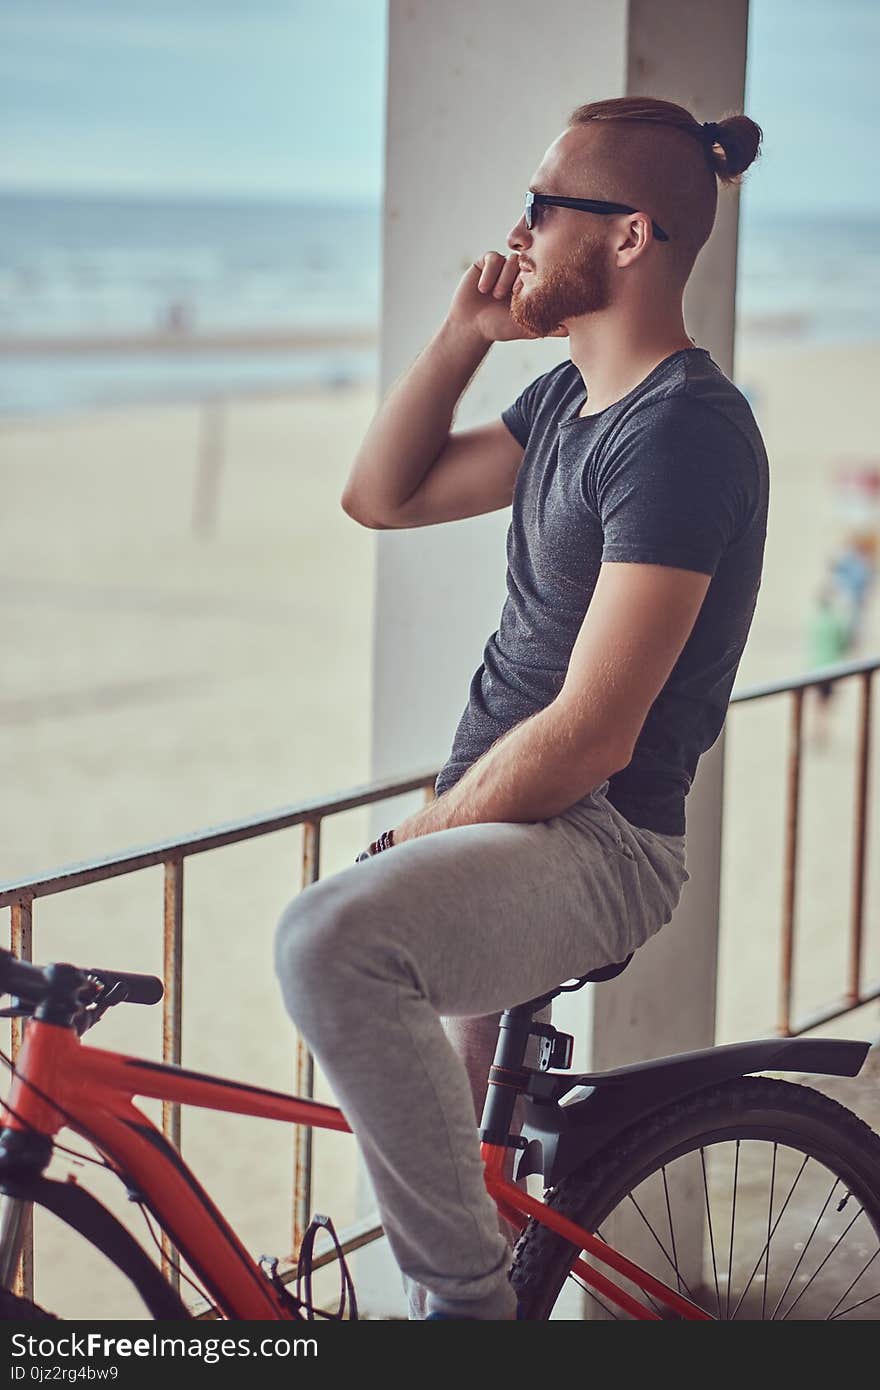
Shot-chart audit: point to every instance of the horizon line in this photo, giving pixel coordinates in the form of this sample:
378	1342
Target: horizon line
363	200
174	195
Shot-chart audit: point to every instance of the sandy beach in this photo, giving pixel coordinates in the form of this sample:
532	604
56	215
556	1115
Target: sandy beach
158	682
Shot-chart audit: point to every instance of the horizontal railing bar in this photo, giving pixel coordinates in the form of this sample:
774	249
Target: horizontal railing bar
820	676
360	1233
215	837
849	1006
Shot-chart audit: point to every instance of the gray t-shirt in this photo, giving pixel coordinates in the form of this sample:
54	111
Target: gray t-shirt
674	473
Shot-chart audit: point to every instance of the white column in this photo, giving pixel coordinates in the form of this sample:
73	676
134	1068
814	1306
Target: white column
477	90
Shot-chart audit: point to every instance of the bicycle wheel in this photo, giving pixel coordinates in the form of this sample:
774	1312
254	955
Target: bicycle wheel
758	1199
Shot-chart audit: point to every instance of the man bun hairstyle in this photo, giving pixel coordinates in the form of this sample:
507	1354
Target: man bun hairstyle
739	139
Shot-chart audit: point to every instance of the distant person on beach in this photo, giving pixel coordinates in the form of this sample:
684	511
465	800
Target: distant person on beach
178	317
638	482
853	571
828	640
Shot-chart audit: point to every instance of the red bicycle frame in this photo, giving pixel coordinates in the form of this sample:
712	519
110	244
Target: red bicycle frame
60	1082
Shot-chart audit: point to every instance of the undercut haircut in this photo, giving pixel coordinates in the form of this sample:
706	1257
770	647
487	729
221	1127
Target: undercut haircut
656	156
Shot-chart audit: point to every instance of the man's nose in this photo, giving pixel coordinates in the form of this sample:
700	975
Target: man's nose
520	236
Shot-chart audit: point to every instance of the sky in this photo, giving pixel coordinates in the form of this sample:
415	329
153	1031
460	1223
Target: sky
269	98
285	98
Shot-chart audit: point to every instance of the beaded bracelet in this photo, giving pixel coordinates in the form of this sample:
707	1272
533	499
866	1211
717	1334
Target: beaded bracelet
385	841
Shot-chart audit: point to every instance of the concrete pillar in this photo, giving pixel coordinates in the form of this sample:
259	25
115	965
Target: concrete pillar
475	95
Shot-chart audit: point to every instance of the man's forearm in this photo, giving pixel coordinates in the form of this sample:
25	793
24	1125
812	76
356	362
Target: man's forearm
412	423
535	771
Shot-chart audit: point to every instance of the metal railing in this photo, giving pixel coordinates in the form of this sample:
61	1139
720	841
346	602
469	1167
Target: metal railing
20	897
857	993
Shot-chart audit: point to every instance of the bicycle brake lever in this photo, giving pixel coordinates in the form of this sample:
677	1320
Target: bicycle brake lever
89	1016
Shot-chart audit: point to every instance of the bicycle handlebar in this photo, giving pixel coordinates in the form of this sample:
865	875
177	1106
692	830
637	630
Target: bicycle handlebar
29	983
139	989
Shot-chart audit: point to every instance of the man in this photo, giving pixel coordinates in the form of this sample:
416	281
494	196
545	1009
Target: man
639	487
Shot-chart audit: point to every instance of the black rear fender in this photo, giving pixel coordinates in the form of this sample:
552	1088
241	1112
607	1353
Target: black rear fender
569	1118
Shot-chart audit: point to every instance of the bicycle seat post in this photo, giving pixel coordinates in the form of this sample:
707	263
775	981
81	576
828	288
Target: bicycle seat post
507	1075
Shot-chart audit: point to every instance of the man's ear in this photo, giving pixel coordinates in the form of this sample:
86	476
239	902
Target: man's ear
636	239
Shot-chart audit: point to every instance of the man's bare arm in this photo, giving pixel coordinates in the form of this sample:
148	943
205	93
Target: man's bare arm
392	482
638	621
537	770
412	426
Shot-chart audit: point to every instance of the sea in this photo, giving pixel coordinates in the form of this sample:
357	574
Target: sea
88	265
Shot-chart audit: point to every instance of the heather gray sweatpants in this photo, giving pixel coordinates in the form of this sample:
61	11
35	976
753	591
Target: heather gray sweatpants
457	926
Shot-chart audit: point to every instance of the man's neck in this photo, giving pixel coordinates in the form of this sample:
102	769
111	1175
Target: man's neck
612	368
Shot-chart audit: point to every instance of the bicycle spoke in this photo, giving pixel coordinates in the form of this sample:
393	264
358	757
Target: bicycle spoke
852	1309
732	1226
575	1279
711	1234
833	1312
662	1247
671	1231
769	1235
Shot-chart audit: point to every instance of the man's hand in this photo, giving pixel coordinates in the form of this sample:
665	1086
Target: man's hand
482	301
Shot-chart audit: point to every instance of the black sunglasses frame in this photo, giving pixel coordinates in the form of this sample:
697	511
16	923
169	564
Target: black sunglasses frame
583	205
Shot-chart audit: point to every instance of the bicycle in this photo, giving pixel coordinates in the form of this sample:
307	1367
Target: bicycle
598	1139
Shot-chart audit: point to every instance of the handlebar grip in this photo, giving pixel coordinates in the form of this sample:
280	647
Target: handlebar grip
139	989
21	979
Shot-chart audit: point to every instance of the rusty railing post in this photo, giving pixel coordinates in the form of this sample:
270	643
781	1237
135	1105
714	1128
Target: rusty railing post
304	1083
172	1025
789	886
863	759
22	945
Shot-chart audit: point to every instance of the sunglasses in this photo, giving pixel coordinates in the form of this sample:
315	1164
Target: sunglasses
534	200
